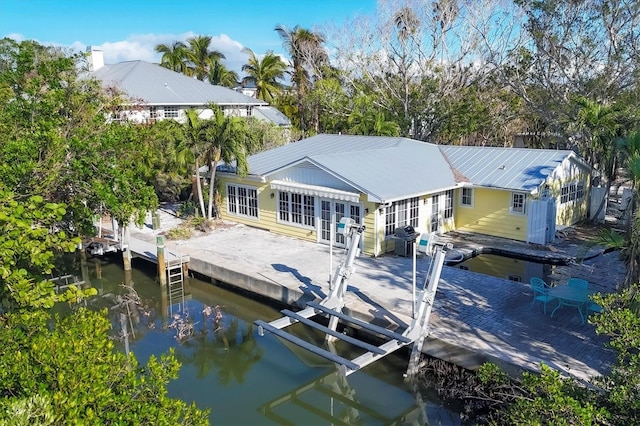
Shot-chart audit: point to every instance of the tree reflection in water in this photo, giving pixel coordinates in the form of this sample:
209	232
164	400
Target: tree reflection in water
217	342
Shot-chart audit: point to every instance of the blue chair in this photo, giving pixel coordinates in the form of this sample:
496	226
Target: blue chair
540	293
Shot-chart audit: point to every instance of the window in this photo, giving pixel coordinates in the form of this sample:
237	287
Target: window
242	201
517	202
448	204
435	213
564	194
401	213
296	209
516	278
171	112
466	199
390	220
572	191
580	191
153	112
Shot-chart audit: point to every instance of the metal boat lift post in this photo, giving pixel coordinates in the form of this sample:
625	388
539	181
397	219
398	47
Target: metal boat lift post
333	304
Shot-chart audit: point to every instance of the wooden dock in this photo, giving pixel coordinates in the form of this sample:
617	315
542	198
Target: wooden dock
149	252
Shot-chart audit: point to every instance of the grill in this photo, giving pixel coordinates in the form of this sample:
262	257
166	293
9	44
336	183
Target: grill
406	232
405	236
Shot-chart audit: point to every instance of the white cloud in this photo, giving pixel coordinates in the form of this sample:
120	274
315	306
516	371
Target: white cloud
142	47
15	36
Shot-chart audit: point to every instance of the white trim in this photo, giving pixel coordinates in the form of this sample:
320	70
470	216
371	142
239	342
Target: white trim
471	196
524	203
314	190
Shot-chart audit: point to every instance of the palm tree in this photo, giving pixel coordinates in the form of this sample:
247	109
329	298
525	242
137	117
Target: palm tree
228	141
307	54
264	74
200	58
173	56
222	76
192	139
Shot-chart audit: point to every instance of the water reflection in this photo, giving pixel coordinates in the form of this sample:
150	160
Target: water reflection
243	378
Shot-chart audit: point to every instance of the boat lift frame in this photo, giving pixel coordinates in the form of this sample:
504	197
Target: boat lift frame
333	304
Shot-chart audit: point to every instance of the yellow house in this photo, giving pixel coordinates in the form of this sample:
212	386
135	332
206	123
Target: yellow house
388	184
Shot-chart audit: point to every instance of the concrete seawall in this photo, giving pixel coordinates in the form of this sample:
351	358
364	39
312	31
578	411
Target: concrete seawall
475	319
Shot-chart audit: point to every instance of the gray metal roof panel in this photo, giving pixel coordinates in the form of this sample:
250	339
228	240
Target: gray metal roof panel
510	168
386	167
272	114
406	170
156	85
269	161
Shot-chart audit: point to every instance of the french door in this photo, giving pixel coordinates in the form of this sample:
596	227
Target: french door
337	210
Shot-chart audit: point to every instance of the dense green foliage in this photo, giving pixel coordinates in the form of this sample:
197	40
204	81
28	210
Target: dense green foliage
62	162
78	376
56	141
66	370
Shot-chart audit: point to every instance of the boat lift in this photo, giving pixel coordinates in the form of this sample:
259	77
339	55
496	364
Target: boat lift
333	304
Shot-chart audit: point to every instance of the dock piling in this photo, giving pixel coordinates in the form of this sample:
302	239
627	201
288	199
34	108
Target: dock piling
162	265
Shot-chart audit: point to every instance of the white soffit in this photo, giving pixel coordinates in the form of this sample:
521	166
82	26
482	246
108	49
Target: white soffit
314	190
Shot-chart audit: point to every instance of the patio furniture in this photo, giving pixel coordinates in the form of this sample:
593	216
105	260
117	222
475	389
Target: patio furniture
575	295
578	283
540	292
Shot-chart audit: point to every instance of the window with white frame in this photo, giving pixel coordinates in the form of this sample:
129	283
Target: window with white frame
401	213
571	191
171	112
153	112
242	201
296	209
579	190
448	204
517	202
435	213
466	197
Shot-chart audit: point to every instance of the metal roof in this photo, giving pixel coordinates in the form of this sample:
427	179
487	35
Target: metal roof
272	114
156	85
509	168
386	168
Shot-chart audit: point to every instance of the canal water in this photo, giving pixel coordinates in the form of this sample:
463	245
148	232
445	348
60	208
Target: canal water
509	268
244	378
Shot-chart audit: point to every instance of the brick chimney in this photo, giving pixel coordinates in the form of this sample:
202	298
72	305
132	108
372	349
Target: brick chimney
96	58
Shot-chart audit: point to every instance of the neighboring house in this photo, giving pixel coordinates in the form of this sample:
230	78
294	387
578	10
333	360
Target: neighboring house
157	93
386	183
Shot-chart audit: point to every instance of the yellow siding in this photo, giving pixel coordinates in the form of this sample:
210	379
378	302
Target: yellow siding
490	215
572	211
370	231
267	211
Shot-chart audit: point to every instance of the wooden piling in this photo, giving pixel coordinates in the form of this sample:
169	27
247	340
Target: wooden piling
126	253
162	264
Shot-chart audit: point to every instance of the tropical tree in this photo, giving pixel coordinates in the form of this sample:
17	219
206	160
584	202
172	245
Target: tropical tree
308	57
200	58
65	369
264	74
173	56
229	141
365	120
220	75
204	142
60	144
191	138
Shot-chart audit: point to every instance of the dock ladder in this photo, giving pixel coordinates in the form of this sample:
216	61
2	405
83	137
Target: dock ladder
331	307
175	279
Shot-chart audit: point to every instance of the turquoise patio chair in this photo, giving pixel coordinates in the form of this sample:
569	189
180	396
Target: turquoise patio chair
540	293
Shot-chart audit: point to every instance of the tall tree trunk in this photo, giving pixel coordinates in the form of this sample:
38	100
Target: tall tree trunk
212	179
199	189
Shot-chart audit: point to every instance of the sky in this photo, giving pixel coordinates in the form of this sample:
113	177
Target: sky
130	30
